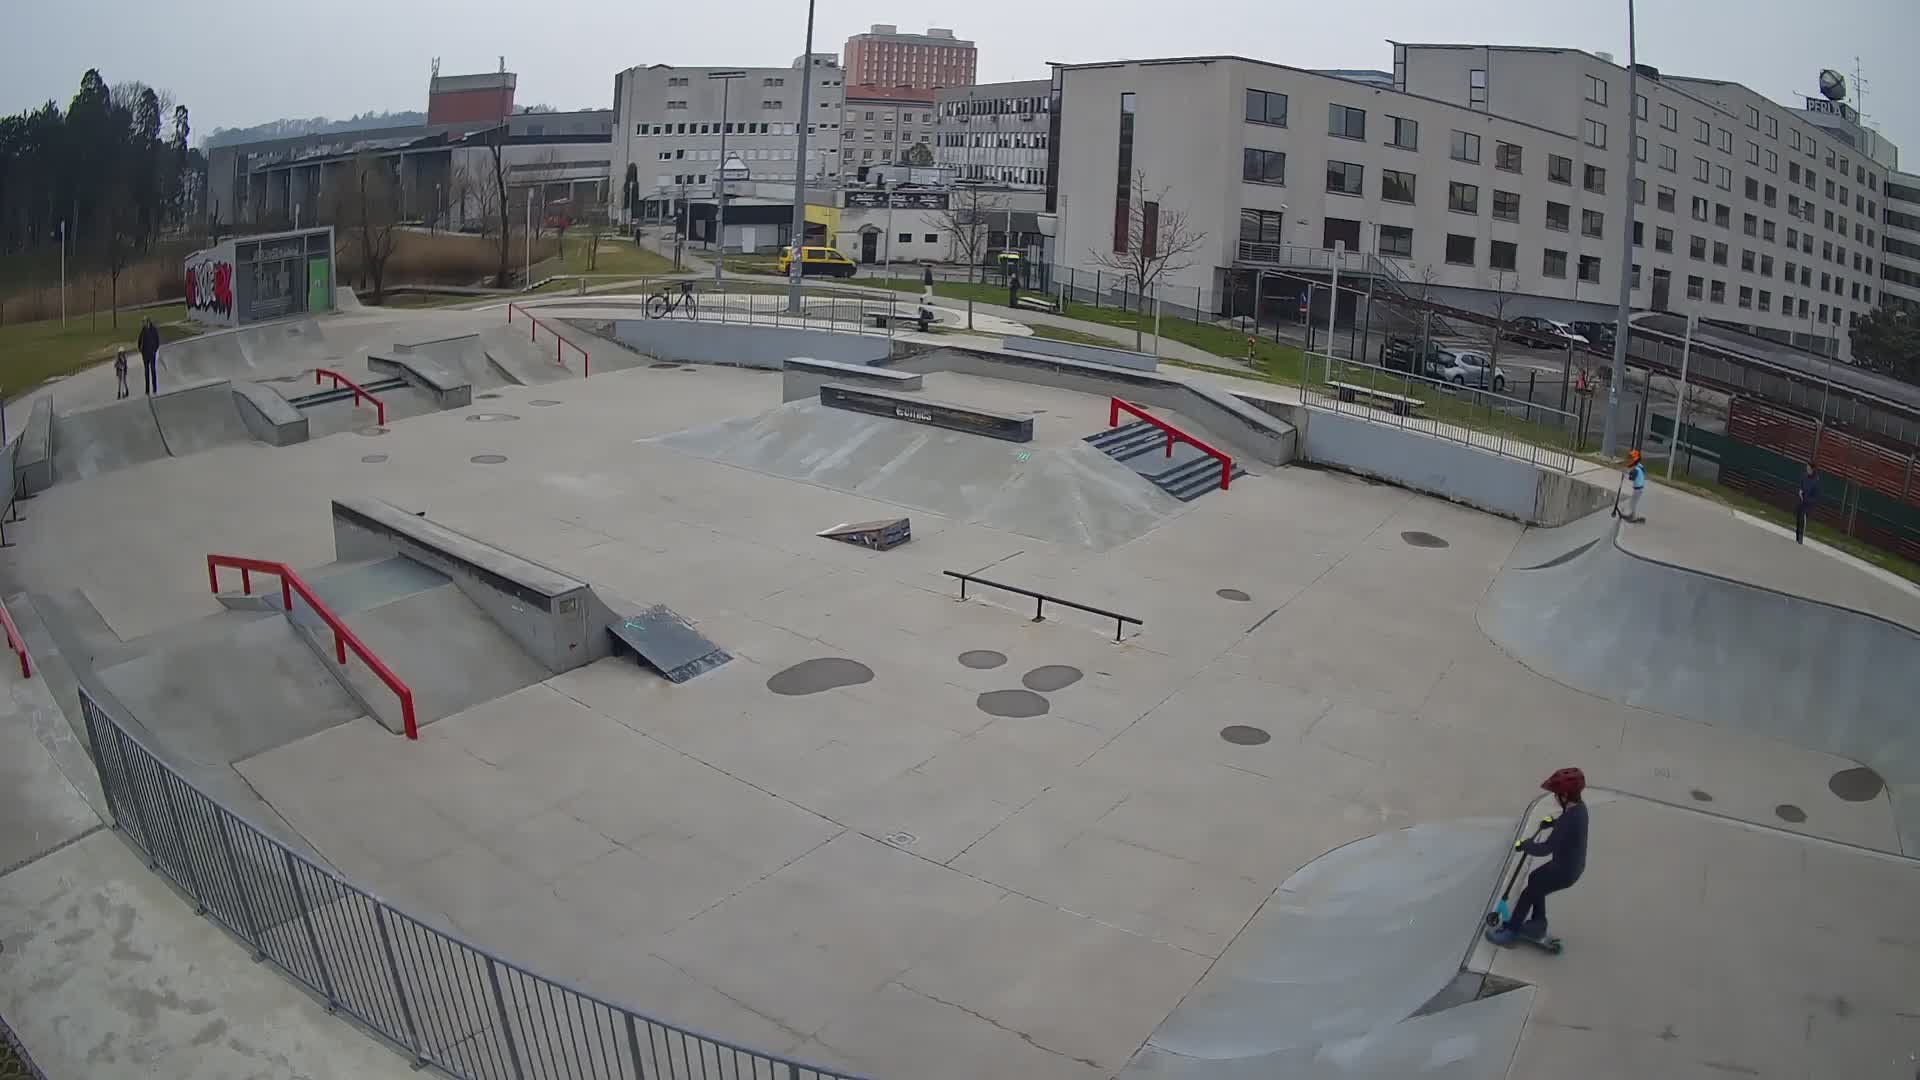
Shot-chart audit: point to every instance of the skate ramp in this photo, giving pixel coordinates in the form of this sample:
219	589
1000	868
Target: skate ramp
259	352
1576	607
523	362
1067	493
112	437
461	356
199	417
1327	978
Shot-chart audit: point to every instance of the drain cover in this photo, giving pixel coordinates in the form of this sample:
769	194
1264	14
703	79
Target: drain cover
982	659
492	418
1050	678
1235	595
373	459
1789	812
668	367
1011	703
1424	539
488	397
487	459
1856	785
1242	735
543	402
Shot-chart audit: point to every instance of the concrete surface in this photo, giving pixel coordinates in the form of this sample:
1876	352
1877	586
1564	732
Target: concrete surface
749	346
1093	354
802	376
199	417
106	439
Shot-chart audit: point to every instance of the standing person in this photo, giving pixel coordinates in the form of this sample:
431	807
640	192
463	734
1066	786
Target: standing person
1809	494
1637	476
1565	848
150	355
120	370
926	281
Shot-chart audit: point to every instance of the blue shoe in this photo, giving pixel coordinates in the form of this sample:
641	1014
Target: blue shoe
1535	929
1502	935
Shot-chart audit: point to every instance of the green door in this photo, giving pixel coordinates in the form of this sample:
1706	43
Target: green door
319	287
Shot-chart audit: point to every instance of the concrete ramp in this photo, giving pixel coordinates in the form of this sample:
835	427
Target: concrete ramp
103	440
1575	606
465	355
199	417
1064	493
521	361
1338	973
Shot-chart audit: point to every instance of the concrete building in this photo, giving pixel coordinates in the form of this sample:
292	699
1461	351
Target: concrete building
1497	174
463	99
668	127
996	133
883	56
882	124
1900	244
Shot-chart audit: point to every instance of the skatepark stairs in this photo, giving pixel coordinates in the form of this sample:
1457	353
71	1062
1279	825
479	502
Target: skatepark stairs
1184	472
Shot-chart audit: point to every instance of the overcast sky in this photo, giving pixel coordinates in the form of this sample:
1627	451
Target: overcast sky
241	62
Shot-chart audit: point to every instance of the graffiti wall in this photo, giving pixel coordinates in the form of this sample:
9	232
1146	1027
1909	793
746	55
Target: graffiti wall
210	285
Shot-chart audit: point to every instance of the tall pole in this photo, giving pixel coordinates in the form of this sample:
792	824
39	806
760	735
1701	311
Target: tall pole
63	274
1679	407
887	259
1333	292
1609	436
527	240
720	178
800	170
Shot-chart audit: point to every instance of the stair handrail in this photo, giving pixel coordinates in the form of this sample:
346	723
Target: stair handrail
16	642
1116	406
559	339
358	391
343	638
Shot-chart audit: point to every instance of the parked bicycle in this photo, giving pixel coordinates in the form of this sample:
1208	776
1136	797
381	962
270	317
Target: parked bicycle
663	303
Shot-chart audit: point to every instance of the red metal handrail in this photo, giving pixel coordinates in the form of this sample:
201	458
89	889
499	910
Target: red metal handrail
533	335
358	393
15	642
343	638
1226	463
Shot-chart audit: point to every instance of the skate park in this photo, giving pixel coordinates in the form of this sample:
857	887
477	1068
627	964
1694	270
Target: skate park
846	823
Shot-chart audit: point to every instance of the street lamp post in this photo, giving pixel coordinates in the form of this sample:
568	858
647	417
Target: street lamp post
720	176
800	169
1609	436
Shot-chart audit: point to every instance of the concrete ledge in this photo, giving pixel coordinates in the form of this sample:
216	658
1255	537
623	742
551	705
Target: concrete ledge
940	414
544	611
1073	350
802	377
269	417
1258	435
33	450
450	389
690	341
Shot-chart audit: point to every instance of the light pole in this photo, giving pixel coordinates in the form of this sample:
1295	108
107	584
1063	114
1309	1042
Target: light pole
720	176
1609	436
887	260
63	274
527	240
800	170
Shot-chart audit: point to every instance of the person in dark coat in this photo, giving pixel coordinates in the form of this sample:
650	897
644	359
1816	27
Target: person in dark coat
150	354
1809	494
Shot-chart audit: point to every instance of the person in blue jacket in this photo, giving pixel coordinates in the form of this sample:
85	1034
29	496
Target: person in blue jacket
1637	476
1564	848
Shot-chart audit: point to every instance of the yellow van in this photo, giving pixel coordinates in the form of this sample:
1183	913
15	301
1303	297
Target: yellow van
818	262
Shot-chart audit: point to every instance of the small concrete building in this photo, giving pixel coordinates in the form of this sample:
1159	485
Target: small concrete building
253	278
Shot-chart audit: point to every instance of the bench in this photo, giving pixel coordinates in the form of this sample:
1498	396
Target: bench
880	319
1401	404
1038	303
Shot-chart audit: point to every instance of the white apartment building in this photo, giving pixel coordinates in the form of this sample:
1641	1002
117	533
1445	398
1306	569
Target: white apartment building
996	133
1487	170
668	126
1900	245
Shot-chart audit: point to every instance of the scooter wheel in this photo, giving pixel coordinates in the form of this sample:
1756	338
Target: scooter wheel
1493	918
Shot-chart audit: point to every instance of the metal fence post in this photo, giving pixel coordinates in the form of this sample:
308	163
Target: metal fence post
399	988
633	1047
306	918
240	888
186	856
133	793
506	1024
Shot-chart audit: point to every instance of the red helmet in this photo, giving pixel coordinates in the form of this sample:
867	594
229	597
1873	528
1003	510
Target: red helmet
1567	783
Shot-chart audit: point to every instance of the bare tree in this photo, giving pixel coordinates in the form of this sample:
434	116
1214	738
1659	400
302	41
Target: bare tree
493	180
367	205
1157	240
967	221
1502	296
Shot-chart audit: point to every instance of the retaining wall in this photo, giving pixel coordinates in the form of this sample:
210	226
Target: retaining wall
1073	350
691	341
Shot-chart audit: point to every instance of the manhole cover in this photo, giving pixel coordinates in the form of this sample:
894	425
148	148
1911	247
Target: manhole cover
1423	539
1014	703
667	367
1242	735
492	418
373	459
1789	812
370	432
1700	796
488	459
982	659
543	402
1232	594
1050	678
1856	785
819	675
488	397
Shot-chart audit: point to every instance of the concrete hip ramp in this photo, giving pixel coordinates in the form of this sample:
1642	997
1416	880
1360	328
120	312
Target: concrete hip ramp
1338	973
1575	606
103	440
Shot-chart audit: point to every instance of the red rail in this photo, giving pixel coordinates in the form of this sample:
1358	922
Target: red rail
340	380
559	342
343	638
15	642
1173	433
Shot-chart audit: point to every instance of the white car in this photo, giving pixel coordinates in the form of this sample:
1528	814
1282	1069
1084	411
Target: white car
1468	367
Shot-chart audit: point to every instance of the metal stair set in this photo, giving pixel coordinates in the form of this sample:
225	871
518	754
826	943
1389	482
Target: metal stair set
1186	475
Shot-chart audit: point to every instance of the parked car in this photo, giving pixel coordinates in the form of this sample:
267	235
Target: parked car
1598	334
1469	367
1400	352
818	262
1541	333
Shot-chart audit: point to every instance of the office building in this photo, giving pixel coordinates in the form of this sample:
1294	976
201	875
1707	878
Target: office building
882	124
996	133
1491	175
1900	245
883	56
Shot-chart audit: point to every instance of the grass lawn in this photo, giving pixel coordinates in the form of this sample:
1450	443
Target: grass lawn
753	264
1079	337
412	301
617	257
31	353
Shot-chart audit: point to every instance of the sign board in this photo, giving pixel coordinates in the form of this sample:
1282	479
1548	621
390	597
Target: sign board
902	200
1833	108
918	410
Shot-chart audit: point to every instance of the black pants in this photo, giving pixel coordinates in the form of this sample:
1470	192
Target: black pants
153	375
1532	904
1799	524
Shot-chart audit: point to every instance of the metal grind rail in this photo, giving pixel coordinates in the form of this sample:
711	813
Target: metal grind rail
359	392
1041	600
15	642
1115	407
343	638
560	342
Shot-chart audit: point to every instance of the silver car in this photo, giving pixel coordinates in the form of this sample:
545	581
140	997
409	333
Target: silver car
1468	367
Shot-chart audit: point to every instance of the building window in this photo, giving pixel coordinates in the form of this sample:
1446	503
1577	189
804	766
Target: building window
1793	172
1639	233
1403	133
1559	216
1346	123
1640	106
1396	240
1261	226
1590	268
1639	192
1463	198
1723	178
1663	239
1553	263
1477	89
1766	299
1723	140
1699	208
1596	90
1750	224
1123	188
1753	153
1719	253
1594	133
1263	166
1507	156
1702	170
1595	179
1766	266
1466	147
1669	118
1506	206
1265	107
1696	287
1663	199
1345	178
1559	169
1639	148
1702	132
1396	186
1669	158
1697	247
1773	132
1459	249
1722	215
1753	121
1718	293
1592	223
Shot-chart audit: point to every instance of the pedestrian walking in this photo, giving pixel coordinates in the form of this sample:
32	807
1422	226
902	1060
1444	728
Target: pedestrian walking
150	355
926	281
1809	494
1565	849
120	370
1637	476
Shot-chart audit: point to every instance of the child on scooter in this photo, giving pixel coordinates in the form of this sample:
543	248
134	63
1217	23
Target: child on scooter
1565	849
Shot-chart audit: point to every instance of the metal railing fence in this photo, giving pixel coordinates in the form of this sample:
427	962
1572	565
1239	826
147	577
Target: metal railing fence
447	1003
1507	426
